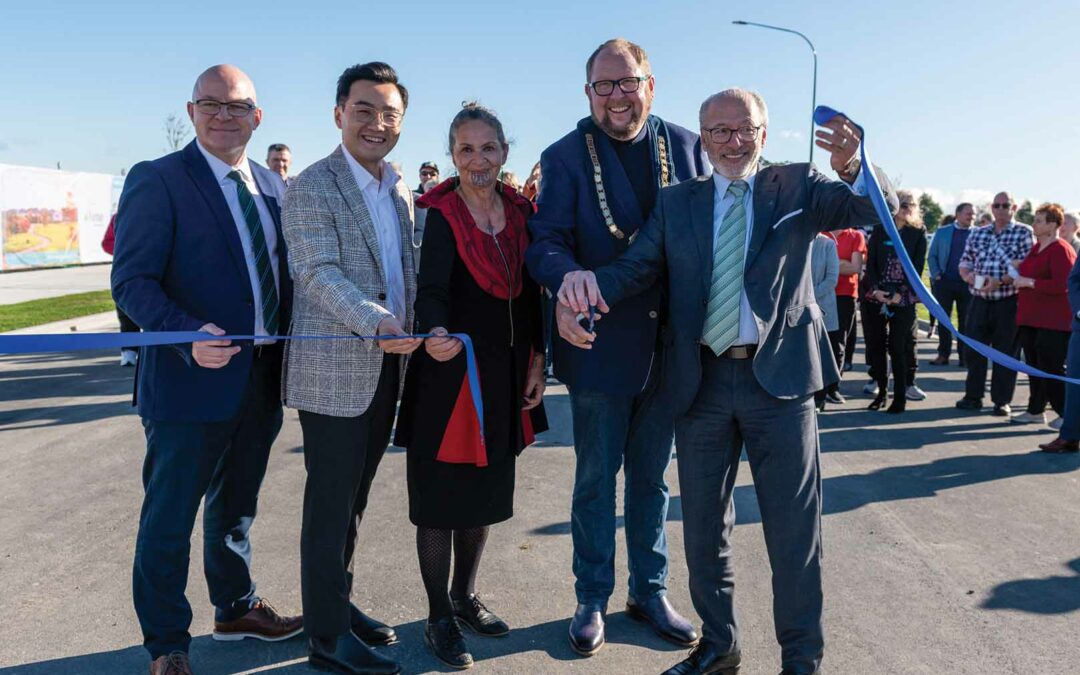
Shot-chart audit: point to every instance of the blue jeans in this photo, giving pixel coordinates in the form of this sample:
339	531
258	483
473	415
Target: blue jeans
635	433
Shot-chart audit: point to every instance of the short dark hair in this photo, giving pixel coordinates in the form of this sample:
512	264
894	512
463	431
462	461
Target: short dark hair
961	206
373	71
619	45
277	147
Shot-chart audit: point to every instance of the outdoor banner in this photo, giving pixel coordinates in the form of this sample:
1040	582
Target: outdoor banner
50	217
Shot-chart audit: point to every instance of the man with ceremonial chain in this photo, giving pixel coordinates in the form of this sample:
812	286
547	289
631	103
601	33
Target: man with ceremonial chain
600	183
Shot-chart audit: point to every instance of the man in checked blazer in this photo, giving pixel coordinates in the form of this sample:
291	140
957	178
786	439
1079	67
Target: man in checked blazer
349	231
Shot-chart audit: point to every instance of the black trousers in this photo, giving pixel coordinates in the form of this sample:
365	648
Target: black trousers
126	324
949	293
1045	349
341	455
845	311
991	322
226	462
888	337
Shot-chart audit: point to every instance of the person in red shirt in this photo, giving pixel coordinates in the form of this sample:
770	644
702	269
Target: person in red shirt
851	248
1043	317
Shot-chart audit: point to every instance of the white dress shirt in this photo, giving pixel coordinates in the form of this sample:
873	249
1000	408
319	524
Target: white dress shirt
378	196
229	189
748	323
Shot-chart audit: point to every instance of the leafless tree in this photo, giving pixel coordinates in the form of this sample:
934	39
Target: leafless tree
176	132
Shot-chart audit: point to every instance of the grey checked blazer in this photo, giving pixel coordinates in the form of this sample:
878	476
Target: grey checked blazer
340	288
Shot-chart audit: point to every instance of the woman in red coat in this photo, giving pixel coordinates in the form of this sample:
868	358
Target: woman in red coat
1043	316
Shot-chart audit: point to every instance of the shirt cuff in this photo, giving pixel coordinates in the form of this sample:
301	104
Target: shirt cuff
858	186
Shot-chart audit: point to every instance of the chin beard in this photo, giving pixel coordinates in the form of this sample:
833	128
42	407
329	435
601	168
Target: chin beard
627	133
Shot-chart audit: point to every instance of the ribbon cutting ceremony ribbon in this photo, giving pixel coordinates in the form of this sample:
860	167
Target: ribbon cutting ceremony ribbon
70	342
823	114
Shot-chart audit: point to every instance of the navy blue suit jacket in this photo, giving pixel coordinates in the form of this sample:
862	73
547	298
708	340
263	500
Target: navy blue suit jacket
569	233
179	265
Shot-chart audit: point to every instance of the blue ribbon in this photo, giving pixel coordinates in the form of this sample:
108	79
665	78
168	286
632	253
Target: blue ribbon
823	114
70	342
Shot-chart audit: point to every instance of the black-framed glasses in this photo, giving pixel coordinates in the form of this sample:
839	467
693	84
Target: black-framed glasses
365	114
211	107
746	133
628	85
1002	206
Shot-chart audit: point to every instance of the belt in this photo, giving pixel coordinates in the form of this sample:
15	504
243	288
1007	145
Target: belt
736	353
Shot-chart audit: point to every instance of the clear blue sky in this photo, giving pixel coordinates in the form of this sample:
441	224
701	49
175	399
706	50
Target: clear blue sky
956	96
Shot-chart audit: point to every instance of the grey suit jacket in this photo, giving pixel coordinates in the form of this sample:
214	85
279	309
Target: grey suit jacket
791	203
340	289
824	272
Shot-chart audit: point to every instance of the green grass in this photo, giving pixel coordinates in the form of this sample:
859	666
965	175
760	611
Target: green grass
920	309
46	310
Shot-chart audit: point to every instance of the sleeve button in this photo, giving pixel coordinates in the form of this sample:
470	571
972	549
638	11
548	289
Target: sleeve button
652	314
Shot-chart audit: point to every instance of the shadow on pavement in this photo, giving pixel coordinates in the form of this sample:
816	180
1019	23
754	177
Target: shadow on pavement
1053	595
218	658
66	377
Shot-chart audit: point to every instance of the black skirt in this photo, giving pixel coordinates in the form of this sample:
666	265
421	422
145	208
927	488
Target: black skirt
460	496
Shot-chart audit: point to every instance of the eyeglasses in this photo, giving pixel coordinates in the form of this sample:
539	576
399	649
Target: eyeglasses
364	114
428	174
628	85
1002	206
210	107
746	133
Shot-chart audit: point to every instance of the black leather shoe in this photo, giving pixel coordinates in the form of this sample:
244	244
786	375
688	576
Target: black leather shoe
790	671
443	637
473	614
969	404
370	630
347	654
707	660
669	624
587	630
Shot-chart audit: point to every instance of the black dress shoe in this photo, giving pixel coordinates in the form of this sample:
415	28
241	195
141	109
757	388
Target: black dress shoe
707	660
587	630
879	401
835	397
476	616
669	624
370	630
443	637
347	654
969	404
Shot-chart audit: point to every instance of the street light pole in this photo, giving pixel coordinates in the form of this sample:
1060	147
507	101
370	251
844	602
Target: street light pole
813	98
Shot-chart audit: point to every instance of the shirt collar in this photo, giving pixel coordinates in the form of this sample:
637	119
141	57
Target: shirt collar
221	170
722	183
363	176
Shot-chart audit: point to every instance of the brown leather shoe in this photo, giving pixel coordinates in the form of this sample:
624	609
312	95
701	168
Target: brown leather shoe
175	663
262	623
1060	445
940	361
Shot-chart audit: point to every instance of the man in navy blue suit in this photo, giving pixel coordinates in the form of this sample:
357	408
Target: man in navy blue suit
600	183
199	247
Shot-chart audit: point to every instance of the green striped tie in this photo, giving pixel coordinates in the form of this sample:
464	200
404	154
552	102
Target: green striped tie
722	313
259	251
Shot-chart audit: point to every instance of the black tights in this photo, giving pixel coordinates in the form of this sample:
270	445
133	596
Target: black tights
433	548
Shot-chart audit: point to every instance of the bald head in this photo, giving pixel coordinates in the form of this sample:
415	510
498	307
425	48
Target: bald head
227	112
227	76
1002	208
751	99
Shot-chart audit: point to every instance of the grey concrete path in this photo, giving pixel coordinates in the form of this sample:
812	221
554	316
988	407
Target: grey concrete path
49	283
950	546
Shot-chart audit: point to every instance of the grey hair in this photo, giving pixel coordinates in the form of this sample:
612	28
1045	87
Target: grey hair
472	110
745	95
1070	216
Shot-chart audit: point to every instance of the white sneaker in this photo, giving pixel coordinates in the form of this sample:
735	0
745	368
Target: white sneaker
915	394
870	388
1056	423
128	357
1028	418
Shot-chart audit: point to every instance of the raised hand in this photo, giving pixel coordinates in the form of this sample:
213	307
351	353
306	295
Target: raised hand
841	139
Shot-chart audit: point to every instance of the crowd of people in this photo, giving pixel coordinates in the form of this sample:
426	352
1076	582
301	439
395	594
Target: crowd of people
680	284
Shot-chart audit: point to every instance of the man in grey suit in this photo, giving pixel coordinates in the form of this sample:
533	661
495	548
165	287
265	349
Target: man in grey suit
746	348
354	274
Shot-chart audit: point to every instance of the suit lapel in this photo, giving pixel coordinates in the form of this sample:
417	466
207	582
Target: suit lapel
207	185
766	188
346	184
702	198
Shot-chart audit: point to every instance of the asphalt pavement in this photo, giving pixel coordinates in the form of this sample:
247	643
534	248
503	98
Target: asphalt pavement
20	286
951	546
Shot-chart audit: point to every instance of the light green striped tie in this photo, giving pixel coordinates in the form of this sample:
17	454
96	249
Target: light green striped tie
261	254
722	313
